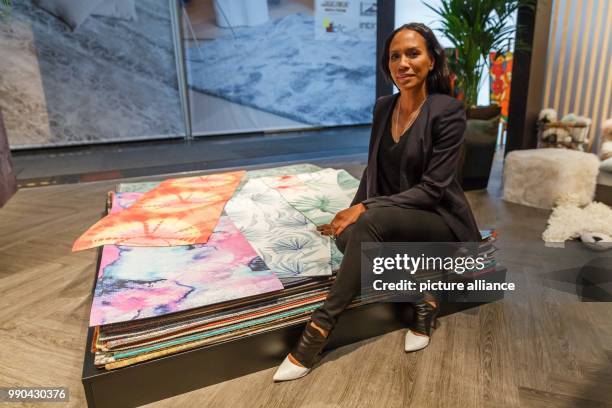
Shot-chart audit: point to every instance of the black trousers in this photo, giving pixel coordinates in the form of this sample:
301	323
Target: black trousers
382	224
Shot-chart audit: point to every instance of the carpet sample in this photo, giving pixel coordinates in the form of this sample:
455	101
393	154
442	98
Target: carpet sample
136	283
286	240
318	195
344	181
181	211
279	67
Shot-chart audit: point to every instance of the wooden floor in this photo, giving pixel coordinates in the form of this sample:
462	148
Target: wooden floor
538	348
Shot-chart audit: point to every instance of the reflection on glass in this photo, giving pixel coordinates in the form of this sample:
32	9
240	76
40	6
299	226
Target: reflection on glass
88	72
257	65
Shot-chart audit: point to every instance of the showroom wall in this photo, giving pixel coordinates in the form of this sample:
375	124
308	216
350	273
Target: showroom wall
578	75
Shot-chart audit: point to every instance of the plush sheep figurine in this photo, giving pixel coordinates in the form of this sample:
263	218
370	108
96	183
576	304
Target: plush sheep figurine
554	134
549	135
561	137
578	135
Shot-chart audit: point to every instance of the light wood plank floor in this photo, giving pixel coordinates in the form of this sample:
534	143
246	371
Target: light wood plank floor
537	348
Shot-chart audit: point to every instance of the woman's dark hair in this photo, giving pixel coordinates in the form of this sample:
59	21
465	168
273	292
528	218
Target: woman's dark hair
438	79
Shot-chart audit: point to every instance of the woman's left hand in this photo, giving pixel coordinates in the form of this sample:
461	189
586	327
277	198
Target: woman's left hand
342	220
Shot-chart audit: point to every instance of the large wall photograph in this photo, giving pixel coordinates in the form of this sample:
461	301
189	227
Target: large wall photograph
286	64
98	71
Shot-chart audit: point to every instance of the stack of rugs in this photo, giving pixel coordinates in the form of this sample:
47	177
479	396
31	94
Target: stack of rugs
195	261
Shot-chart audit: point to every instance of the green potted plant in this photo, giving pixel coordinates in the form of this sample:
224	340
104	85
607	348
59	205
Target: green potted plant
5	7
475	28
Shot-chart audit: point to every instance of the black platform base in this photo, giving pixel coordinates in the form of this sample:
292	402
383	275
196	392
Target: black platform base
193	369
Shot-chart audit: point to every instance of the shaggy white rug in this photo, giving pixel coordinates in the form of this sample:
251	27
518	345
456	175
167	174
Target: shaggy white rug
569	221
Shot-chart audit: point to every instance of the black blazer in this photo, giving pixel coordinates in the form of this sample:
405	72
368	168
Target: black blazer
429	165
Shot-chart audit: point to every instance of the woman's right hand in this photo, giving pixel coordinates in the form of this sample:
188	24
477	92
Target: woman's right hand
342	220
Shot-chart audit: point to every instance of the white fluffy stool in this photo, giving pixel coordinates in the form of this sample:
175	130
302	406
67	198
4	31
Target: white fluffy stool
544	178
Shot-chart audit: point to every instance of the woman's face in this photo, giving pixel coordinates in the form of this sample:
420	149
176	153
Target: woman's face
409	61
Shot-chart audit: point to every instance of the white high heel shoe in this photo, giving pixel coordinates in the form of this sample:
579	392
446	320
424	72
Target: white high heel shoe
288	371
414	342
425	319
309	346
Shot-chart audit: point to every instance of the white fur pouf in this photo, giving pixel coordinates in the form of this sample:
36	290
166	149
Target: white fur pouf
544	178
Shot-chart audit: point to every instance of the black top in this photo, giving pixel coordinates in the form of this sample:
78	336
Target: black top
429	164
390	162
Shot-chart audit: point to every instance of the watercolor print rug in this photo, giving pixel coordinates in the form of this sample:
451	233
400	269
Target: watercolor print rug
180	211
279	67
139	282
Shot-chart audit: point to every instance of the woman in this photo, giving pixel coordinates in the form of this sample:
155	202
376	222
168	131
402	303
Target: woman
409	191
